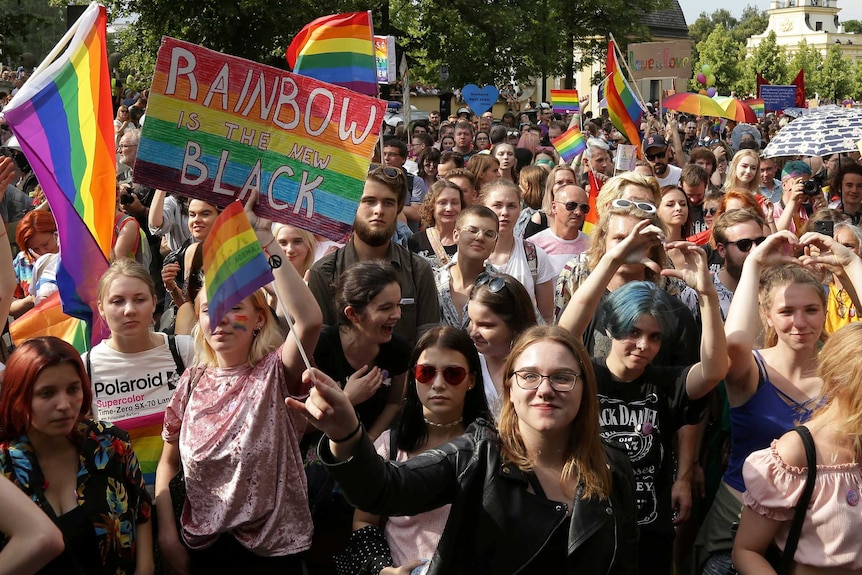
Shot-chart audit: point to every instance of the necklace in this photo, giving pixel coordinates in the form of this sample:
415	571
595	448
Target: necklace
443	425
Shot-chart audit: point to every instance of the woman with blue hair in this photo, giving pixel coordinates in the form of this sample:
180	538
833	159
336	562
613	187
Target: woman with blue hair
642	405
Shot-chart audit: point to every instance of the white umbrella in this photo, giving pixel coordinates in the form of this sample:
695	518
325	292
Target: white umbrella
821	132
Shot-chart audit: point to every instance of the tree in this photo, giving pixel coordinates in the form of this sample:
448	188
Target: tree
34	28
808	59
836	77
852	26
721	52
752	22
769	59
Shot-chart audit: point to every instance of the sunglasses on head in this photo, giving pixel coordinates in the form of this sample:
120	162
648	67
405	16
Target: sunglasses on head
572	206
655	156
494	283
513	134
452	374
623	203
746	244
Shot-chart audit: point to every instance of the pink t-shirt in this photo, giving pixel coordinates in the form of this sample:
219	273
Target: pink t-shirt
830	531
416	536
240	453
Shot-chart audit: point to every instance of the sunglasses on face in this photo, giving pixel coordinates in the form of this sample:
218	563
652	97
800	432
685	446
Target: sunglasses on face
710	211
655	156
746	244
572	206
452	374
494	283
645	206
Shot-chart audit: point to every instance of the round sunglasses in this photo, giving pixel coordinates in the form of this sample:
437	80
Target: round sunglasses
452	374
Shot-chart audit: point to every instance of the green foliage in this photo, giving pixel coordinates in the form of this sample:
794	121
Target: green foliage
753	21
852	26
769	59
29	26
721	51
808	59
836	76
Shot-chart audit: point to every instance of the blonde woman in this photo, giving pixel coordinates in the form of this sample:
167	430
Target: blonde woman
744	172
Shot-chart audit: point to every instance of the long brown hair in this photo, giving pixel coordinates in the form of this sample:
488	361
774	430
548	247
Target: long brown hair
586	462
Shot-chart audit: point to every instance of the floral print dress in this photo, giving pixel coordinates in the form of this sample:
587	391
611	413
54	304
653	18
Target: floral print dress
110	489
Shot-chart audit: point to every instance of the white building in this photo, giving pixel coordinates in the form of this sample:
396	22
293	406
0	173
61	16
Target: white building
815	21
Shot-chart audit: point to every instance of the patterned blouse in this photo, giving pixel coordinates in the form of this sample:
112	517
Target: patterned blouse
110	488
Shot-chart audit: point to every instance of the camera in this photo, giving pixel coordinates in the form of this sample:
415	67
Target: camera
811	188
126	199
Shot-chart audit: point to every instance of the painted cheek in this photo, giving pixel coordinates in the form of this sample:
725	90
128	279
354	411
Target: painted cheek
240	322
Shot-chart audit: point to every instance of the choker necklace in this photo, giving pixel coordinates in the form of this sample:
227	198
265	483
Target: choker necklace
443	425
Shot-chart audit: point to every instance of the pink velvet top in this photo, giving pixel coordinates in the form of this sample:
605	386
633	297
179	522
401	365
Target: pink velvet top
411	537
240	453
831	530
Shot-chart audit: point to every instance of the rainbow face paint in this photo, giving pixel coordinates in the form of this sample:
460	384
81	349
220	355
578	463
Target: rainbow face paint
240	322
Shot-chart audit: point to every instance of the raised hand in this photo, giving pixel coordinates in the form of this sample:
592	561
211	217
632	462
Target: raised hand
634	249
695	270
327	408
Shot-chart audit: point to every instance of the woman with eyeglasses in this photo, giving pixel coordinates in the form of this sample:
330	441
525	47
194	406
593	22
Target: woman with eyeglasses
444	397
428	161
519	258
643	402
545	495
482	141
499	309
776	387
369	361
440	208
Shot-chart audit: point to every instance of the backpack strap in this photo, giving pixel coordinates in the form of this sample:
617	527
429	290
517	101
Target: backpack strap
532	259
178	359
393	444
804	501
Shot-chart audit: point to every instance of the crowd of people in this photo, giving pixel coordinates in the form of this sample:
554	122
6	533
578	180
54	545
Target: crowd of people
511	365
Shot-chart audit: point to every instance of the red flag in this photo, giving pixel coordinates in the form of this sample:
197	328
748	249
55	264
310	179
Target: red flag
799	82
761	81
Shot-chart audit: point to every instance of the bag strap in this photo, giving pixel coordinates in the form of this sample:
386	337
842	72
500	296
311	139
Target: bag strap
178	359
804	501
532	259
437	245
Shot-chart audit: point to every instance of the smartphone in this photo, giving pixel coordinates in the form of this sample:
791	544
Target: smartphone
825	227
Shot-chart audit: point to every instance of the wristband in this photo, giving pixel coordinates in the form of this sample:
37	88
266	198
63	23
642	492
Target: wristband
349	436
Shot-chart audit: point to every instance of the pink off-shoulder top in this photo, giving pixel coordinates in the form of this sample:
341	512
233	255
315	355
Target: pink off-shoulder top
833	523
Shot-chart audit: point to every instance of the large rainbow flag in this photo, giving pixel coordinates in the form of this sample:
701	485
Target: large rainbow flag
338	49
623	106
234	263
570	144
63	119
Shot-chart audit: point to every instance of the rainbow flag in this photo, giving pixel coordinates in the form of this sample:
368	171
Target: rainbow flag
757	105
63	119
565	102
234	263
570	144
46	319
338	49
623	106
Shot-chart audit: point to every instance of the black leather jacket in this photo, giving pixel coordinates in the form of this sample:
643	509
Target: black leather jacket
495	525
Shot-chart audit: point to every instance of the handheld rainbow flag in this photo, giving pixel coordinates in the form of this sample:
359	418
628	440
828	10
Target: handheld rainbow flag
623	106
565	102
338	49
757	105
234	263
570	144
63	119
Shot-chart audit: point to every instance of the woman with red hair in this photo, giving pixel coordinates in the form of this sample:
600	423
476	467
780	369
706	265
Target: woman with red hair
82	473
36	236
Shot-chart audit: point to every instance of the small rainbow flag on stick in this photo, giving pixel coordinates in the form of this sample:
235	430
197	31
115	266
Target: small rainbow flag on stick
338	49
234	263
565	102
756	104
570	144
63	119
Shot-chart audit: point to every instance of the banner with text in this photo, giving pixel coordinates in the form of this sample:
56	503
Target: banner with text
218	126
660	59
384	59
776	97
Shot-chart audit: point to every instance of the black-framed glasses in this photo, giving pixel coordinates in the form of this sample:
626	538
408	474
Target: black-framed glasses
477	233
572	206
710	211
452	374
652	157
623	203
560	381
745	245
493	283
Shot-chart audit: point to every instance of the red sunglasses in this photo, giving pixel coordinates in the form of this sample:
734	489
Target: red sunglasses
452	374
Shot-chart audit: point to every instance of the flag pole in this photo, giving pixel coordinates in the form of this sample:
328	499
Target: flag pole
625	64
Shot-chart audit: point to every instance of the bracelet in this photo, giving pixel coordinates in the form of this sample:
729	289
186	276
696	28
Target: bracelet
349	436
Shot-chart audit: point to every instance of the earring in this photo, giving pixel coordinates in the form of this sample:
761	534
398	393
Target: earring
256	331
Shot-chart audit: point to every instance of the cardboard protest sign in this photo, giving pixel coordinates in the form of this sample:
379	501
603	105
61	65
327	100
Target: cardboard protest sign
218	126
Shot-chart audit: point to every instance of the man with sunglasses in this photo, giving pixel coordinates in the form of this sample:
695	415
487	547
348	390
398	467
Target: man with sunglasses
476	231
383	197
656	153
564	239
736	233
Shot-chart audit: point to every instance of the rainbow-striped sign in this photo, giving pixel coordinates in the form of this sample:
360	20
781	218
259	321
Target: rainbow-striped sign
218	126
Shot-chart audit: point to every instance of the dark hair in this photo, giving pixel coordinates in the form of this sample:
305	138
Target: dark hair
625	306
702	153
23	369
410	429
395	142
425	139
396	182
498	134
692	174
451	156
359	284
512	305
845	166
431	153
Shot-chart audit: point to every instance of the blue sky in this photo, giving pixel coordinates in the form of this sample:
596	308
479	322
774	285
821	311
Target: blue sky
850	9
